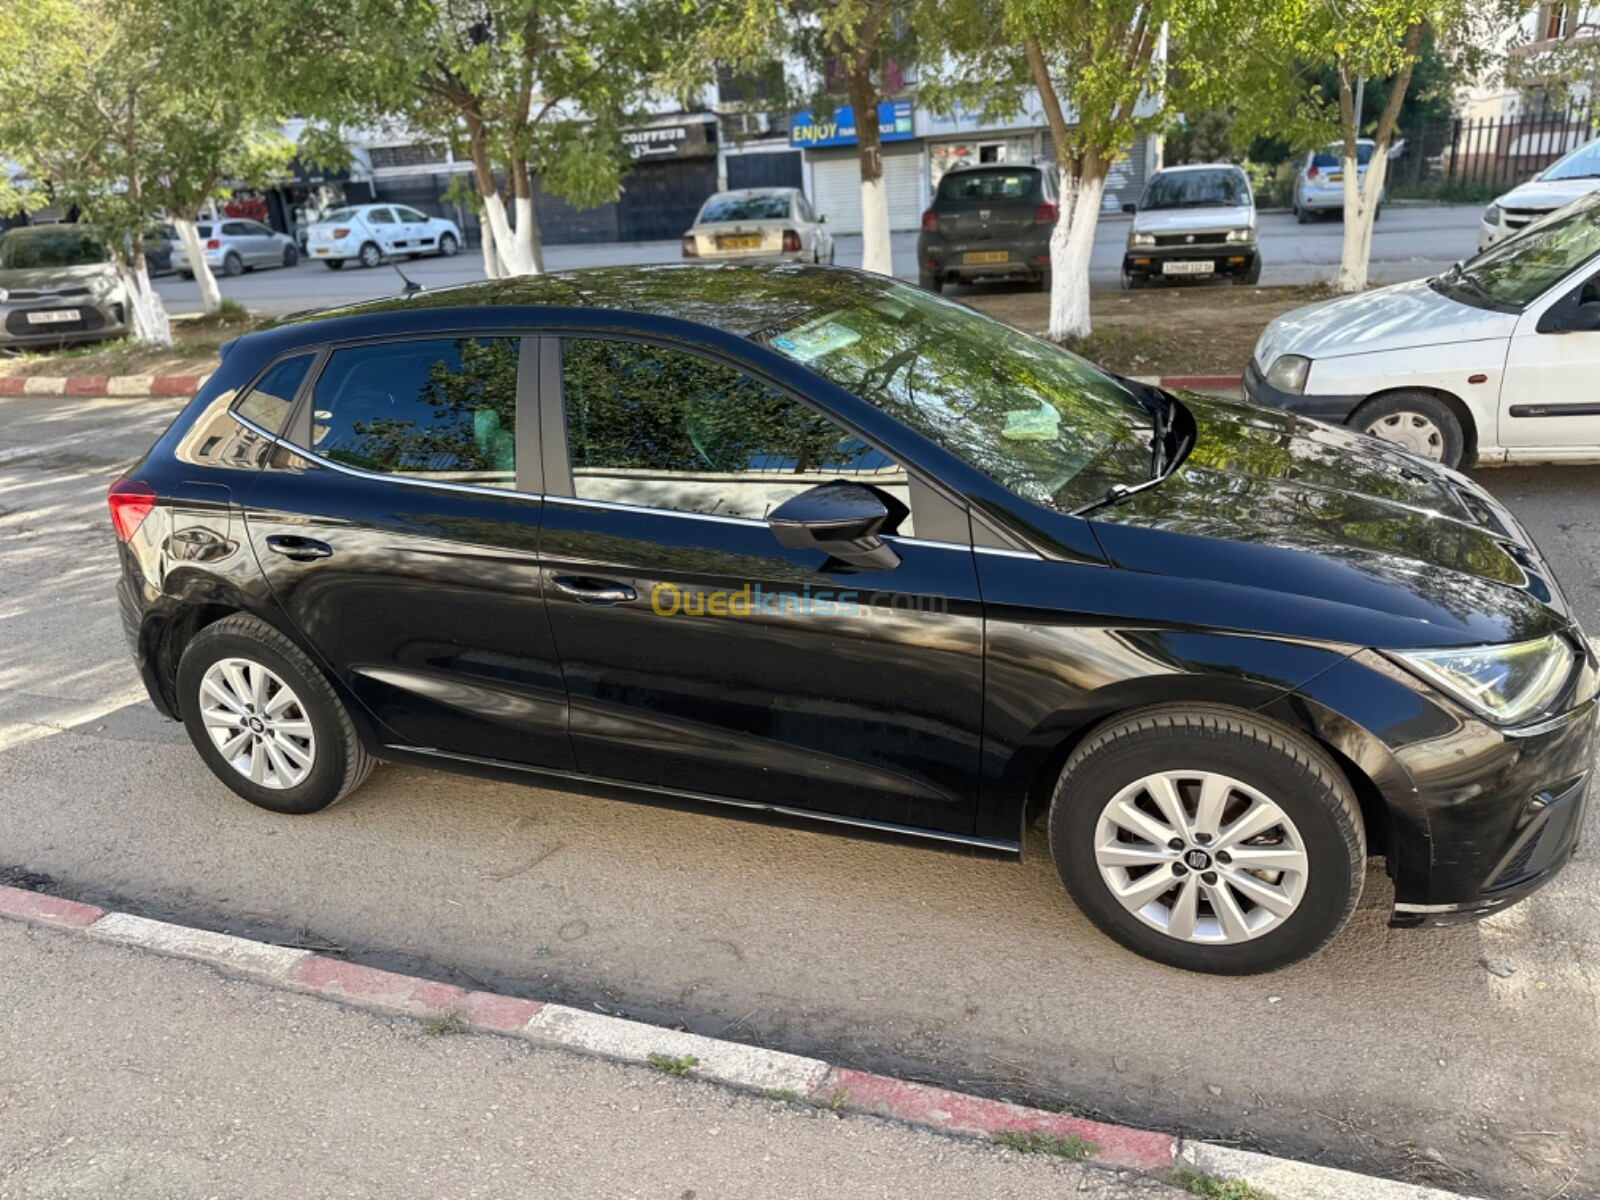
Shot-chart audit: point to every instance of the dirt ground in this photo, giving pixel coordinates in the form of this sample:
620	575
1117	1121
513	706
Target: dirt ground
194	353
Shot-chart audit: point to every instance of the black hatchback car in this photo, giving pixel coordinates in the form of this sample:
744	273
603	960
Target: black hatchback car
989	222
813	543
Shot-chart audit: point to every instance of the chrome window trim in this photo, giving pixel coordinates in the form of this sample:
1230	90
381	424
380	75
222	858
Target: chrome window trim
1001	552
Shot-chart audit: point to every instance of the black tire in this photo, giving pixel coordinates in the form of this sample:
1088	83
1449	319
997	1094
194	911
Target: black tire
340	764
1252	276
1393	405
930	282
186	274
291	256
1297	775
333	264
1301	216
448	246
1041	284
370	255
1132	282
232	265
1377	213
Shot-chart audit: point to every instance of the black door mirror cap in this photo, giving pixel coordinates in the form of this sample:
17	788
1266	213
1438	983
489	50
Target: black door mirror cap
843	520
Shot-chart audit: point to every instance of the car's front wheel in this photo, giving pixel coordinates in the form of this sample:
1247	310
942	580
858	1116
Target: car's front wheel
370	256
448	246
1416	421
1208	839
266	720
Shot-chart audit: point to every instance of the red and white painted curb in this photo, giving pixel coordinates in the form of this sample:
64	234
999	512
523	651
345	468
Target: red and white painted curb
101	385
771	1072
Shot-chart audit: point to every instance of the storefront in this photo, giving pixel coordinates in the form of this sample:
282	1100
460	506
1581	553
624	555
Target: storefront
674	170
833	165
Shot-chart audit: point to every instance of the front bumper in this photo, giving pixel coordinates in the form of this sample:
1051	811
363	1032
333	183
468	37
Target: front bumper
1333	409
1148	262
97	318
1025	257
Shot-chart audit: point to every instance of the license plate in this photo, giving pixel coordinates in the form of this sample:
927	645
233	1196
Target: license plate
58	316
1188	268
738	243
320	250
985	256
1336	178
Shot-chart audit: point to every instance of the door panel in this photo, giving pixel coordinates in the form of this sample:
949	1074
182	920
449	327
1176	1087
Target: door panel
1550	396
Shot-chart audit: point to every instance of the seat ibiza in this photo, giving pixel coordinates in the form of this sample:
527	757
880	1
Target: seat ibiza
816	544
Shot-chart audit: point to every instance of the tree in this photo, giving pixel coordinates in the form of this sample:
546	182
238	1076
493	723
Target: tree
1099	69
840	45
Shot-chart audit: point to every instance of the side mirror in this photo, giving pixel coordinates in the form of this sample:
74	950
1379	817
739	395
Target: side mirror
1130	208
842	520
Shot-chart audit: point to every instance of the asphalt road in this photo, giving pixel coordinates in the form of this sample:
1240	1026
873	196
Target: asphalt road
1409	242
1466	1057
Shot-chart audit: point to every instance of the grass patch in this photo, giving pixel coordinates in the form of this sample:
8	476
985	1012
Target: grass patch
834	1101
1446	191
1197	1183
669	1064
444	1024
787	1095
1072	1147
230	315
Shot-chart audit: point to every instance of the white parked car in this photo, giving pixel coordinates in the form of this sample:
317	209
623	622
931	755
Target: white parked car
369	233
1319	187
759	224
1193	221
1497	360
1563	181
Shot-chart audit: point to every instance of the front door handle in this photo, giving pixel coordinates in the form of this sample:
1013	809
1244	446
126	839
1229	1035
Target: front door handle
593	591
300	549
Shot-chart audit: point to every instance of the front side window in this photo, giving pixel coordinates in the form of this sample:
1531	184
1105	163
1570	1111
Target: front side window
1512	273
267	404
668	429
1196	189
441	409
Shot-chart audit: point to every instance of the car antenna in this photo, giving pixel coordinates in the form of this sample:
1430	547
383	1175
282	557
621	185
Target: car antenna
412	286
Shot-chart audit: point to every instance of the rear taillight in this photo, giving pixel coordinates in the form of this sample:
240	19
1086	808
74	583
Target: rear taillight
791	242
340	233
1045	213
930	222
691	249
131	501
1311	171
213	244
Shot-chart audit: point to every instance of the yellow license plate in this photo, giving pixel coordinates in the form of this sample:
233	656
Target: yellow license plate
1336	178
738	243
322	250
985	256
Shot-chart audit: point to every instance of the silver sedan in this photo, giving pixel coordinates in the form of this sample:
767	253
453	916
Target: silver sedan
759	224
233	245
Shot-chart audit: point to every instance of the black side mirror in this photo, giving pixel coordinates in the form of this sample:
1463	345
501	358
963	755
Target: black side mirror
1572	318
842	520
1130	208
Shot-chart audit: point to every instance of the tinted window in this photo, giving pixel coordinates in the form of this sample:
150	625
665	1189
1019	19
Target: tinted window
441	409
236	229
745	208
1583	163
268	403
410	214
381	216
258	229
1000	184
1334	155
68	247
667	429
1523	267
1196	189
203	230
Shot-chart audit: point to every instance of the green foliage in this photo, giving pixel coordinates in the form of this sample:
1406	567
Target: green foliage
1209	1186
229	315
669	1064
1205	135
444	1024
1072	1147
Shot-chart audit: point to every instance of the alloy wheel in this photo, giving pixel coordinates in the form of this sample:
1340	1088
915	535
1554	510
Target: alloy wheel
257	723
1410	431
1201	857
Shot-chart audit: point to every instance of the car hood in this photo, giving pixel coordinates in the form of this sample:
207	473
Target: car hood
46	279
1547	195
1191	220
1328	514
1401	317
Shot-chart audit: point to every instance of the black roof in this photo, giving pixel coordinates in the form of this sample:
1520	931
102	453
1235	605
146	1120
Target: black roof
741	299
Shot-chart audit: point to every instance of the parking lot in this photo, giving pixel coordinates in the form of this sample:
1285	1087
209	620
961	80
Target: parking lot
1465	1057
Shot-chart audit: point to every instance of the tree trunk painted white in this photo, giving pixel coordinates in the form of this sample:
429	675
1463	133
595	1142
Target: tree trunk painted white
1360	205
876	253
1071	242
150	323
210	293
491	256
530	248
504	239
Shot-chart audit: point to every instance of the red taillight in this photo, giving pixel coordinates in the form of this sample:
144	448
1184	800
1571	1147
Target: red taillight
691	248
131	501
213	244
1045	213
791	242
1311	171
340	233
930	222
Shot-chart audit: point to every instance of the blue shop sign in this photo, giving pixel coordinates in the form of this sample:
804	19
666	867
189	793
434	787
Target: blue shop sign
894	125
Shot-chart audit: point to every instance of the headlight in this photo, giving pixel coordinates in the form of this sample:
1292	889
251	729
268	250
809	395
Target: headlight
1288	373
1491	215
1504	683
1141	239
4	295
103	285
1241	235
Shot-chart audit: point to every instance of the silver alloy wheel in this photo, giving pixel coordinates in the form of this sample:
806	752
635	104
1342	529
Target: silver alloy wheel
1201	857
1410	431
371	256
448	246
257	723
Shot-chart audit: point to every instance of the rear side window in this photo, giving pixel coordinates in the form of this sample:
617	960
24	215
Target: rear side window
267	404
989	185
441	409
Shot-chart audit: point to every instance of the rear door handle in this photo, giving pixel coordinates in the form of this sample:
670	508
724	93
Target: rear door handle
298	548
593	591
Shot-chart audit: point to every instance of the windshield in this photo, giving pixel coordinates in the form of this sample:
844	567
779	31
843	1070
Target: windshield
745	208
1332	156
1032	417
1582	163
1012	184
1196	189
1520	269
67	248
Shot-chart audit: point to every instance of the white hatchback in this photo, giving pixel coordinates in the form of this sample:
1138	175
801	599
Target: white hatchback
369	233
1497	360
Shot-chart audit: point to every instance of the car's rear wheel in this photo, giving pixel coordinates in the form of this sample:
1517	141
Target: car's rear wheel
929	282
291	255
448	246
371	256
1208	839
232	265
1416	421
266	720
1301	216
186	274
1041	284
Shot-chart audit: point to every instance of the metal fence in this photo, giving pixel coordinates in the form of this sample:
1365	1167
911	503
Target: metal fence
1491	152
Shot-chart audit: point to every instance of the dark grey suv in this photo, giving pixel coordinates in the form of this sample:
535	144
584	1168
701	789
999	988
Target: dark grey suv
989	222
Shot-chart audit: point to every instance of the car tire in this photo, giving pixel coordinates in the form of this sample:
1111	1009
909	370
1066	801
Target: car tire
1414	420
1041	284
1132	282
449	247
370	256
930	282
242	647
291	256
1301	216
186	274
333	264
232	265
1252	276
1258	767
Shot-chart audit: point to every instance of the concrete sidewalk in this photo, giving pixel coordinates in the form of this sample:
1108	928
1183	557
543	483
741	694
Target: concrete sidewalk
132	1075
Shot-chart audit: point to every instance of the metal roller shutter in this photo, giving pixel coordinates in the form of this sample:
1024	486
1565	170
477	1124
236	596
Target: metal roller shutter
1124	184
836	187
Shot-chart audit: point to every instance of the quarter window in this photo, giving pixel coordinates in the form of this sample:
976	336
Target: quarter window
667	429
267	404
441	409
